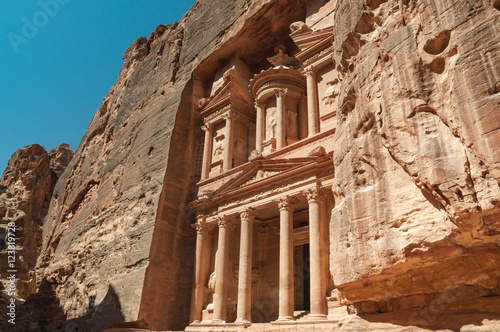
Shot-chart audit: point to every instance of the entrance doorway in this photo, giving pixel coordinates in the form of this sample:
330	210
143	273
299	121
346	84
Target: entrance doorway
302	278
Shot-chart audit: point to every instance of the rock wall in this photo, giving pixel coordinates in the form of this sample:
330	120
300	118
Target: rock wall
417	212
25	191
417	199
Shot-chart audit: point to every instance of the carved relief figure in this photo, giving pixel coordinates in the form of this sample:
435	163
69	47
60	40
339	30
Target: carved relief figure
218	148
271	123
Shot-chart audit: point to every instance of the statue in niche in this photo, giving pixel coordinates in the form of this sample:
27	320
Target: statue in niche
292	125
271	123
281	58
218	148
331	94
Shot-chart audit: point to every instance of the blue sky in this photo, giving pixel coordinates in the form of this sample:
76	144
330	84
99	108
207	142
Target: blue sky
58	60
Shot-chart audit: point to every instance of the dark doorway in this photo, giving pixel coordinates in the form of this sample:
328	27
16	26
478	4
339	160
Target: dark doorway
302	281
307	281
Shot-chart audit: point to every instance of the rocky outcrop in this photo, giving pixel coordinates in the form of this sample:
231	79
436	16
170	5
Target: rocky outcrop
417	211
25	192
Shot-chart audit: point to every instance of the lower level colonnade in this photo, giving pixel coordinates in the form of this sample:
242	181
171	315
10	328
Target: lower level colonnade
223	227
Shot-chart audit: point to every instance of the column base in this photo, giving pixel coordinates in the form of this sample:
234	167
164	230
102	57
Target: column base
317	317
285	319
242	321
218	321
195	322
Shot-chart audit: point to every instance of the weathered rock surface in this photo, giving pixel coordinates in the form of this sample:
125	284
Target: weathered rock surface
415	229
417	211
25	192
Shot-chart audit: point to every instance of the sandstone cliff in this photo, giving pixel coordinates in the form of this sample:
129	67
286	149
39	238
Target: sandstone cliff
25	191
415	228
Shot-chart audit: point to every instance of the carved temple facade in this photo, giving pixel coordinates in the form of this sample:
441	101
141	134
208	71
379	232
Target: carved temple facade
264	198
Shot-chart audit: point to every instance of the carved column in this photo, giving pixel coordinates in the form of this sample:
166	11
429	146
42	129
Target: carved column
286	301
312	111
207	151
200	263
318	282
230	117
280	118
245	268
220	269
302	117
260	125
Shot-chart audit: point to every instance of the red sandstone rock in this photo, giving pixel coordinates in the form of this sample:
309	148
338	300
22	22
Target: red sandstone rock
414	229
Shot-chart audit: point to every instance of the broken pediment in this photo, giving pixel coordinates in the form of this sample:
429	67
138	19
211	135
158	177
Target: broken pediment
308	41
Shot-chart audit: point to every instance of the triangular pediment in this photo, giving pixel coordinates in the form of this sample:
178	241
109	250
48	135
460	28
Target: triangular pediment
261	172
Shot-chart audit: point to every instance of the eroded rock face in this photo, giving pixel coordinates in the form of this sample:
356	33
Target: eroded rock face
417	209
25	191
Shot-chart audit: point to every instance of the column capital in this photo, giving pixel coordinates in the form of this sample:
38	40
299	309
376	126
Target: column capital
207	127
314	194
309	71
200	227
263	232
248	215
286	203
226	222
280	92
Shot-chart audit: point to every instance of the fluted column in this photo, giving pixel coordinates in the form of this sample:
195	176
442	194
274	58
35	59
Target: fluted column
312	111
198	287
286	300
245	268
317	280
220	269
280	118
230	117
207	151
260	125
